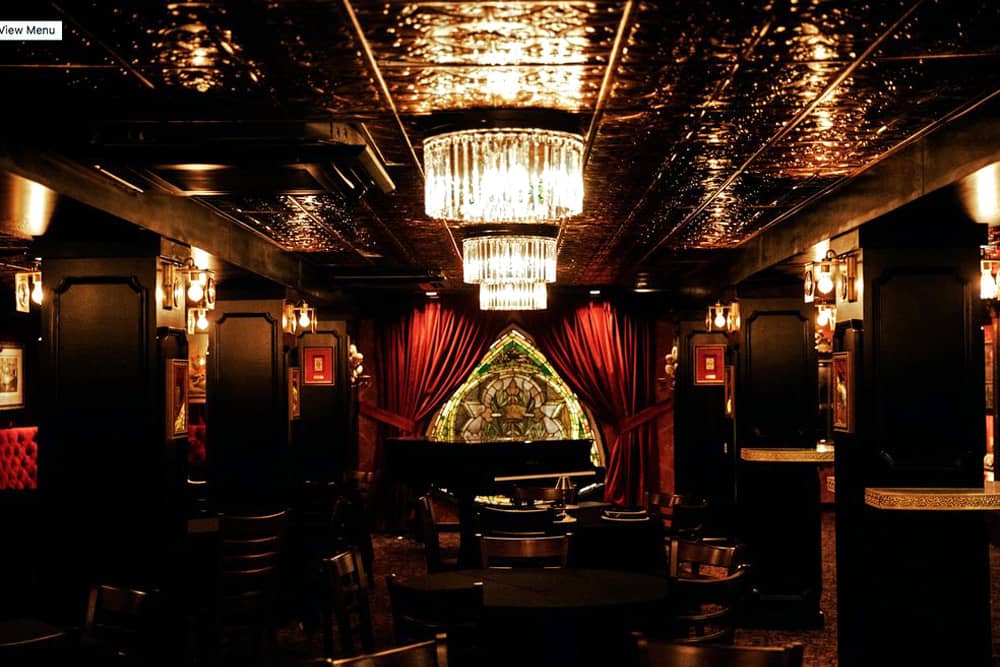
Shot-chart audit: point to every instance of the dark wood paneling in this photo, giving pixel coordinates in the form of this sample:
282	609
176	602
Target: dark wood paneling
322	434
777	404
703	436
247	434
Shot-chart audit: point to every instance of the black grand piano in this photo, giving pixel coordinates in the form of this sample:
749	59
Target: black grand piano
468	469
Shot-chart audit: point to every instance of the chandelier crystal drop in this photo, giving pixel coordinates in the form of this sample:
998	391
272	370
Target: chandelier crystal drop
503	175
509	259
513	296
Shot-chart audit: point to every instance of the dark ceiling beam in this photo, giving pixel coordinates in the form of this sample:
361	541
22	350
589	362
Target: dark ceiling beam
785	129
932	162
178	218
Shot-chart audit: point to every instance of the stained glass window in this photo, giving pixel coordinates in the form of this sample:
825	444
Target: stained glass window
513	394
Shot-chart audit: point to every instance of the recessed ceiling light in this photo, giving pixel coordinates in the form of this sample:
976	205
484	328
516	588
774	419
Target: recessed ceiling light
431	294
595	292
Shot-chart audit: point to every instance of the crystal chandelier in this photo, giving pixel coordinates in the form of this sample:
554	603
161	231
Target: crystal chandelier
503	175
509	258
513	296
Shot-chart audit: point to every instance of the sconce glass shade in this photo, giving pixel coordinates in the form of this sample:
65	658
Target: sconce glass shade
826	325
723	317
27	290
513	296
197	320
503	175
509	259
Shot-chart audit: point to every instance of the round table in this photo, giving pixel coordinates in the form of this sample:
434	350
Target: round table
556	616
598	542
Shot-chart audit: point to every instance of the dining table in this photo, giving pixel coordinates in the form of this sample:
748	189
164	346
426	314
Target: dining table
557	615
634	544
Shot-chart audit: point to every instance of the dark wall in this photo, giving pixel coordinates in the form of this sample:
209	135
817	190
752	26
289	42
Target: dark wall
919	400
248	433
777	377
22	330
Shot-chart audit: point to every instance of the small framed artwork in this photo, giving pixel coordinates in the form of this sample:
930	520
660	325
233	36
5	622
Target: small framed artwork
11	376
317	365
177	398
709	364
842	389
197	368
294	405
22	292
730	391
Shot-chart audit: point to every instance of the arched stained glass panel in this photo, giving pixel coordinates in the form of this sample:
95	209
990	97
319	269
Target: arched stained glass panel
513	394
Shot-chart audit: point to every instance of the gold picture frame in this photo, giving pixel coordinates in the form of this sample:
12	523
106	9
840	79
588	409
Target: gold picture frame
11	376
842	391
177	399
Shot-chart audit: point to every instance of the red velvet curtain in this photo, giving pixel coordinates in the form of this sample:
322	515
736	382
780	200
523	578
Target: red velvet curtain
424	356
606	356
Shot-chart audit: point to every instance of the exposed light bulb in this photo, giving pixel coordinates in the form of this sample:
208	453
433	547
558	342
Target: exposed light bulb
304	320
720	319
823	317
196	292
987	285
202	322
36	290
825	282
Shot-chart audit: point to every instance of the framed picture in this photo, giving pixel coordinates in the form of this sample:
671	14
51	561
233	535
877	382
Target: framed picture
22	292
294	406
842	388
317	365
730	391
177	398
709	364
11	376
197	368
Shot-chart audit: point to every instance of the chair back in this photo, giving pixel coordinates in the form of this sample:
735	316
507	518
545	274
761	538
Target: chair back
685	514
526	495
432	653
662	653
348	603
119	624
419	614
251	547
699	559
428	528
516	522
508	552
704	611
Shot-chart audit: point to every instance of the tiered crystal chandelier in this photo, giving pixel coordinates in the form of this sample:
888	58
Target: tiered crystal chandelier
518	178
503	175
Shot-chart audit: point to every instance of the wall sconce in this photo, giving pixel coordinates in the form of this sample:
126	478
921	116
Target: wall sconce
199	286
197	320
27	290
821	278
298	318
826	325
849	279
723	317
989	266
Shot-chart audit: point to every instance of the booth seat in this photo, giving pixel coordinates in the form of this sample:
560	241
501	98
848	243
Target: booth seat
19	458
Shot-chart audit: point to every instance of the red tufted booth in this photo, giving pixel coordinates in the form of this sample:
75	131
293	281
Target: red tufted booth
18	458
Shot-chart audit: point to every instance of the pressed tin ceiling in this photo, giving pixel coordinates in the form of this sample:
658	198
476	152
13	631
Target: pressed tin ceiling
705	122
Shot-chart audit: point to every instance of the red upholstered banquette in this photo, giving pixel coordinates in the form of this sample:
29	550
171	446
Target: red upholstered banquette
19	458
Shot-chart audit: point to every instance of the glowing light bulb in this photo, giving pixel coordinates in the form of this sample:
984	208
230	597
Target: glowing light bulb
202	322
196	292
720	319
987	285
36	290
304	320
823	317
825	282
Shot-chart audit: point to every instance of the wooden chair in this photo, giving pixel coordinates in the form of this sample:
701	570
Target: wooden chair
432	653
699	559
507	552
347	604
250	552
660	653
431	529
353	518
683	514
705	611
120	628
419	614
516	522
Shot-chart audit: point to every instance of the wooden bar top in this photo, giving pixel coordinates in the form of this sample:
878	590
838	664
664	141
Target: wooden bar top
935	498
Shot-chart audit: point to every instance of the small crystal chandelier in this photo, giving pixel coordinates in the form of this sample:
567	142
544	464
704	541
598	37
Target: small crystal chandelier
503	175
513	296
509	259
